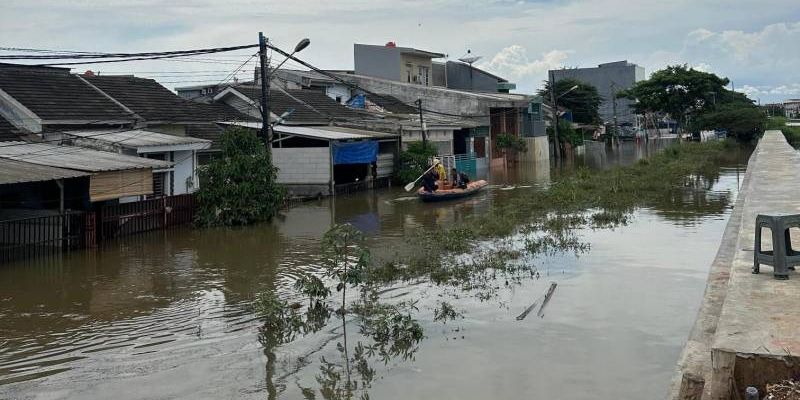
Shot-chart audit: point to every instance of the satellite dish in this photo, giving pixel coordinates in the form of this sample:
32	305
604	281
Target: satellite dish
470	60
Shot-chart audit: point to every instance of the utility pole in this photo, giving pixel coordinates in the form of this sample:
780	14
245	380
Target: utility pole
262	54
422	124
556	146
614	110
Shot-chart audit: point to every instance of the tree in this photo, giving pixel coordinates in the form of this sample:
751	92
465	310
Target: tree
566	133
743	122
239	187
415	160
583	101
508	143
681	92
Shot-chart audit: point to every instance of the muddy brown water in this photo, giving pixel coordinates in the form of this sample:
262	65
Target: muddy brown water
166	314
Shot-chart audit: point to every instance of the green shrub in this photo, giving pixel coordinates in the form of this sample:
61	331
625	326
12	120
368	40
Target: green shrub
239	187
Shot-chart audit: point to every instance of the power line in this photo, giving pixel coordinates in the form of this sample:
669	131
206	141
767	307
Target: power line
89	55
355	86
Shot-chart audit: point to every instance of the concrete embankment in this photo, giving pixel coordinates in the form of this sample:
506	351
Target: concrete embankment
747	331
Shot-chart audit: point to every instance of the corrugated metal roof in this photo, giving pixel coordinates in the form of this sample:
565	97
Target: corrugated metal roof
73	157
137	137
332	132
320	132
12	171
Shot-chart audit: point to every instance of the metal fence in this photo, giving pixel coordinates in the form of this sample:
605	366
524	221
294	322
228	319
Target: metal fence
51	235
43	236
146	215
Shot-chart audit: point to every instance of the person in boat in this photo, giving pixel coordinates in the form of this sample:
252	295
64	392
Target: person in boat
429	181
463	180
454	177
441	172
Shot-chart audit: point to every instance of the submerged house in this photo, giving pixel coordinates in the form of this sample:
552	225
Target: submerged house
118	114
314	156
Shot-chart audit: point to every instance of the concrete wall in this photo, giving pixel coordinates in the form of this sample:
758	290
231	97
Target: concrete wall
538	149
303	165
184	172
458	77
377	61
608	79
441	99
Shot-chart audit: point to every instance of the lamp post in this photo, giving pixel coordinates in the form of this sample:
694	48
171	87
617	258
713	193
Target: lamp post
265	78
553	102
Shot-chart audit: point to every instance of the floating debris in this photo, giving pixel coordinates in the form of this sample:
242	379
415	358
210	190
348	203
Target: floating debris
543	298
786	390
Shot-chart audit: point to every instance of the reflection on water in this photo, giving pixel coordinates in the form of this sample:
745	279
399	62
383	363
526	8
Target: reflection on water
168	314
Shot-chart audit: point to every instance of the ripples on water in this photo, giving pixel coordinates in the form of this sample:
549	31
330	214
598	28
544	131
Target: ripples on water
167	314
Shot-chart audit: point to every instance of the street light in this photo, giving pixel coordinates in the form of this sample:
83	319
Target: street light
570	89
265	77
298	48
557	146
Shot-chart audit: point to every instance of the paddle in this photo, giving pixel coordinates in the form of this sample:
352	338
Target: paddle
411	185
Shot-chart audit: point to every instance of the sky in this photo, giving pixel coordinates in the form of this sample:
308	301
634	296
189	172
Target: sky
756	44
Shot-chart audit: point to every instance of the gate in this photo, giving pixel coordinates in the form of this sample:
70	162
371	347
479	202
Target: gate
42	236
146	215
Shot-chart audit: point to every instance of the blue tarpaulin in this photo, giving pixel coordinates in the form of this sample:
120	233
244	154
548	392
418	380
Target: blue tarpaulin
357	101
355	152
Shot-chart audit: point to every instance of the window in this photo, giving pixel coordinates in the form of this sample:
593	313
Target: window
422	75
339	99
159	184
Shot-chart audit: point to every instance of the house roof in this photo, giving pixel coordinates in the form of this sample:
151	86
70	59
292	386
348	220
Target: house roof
53	94
312	75
211	132
310	106
155	103
13	171
141	139
392	104
73	157
7	131
406	50
323	132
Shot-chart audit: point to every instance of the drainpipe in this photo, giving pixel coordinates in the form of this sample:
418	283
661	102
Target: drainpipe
60	183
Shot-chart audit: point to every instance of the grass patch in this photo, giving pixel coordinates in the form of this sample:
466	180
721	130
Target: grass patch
791	133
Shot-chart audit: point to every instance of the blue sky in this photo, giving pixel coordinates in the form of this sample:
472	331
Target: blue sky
755	44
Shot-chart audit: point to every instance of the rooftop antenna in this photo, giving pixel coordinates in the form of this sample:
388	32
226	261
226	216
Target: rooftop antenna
470	59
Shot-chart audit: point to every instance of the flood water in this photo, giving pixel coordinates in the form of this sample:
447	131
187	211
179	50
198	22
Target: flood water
167	314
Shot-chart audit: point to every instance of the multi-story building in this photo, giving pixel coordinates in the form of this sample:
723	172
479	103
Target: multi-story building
792	108
401	64
609	79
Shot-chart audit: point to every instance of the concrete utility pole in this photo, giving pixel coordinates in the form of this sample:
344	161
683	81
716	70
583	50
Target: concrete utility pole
422	123
614	110
556	146
262	55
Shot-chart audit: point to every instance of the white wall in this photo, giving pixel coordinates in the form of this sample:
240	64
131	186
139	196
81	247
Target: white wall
338	90
184	172
302	165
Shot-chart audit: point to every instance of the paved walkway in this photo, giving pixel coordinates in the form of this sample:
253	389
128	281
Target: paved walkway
746	317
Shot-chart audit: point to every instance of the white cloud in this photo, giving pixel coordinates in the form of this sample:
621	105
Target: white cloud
513	63
746	41
792	89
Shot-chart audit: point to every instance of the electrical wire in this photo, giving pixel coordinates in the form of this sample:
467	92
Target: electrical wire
98	55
